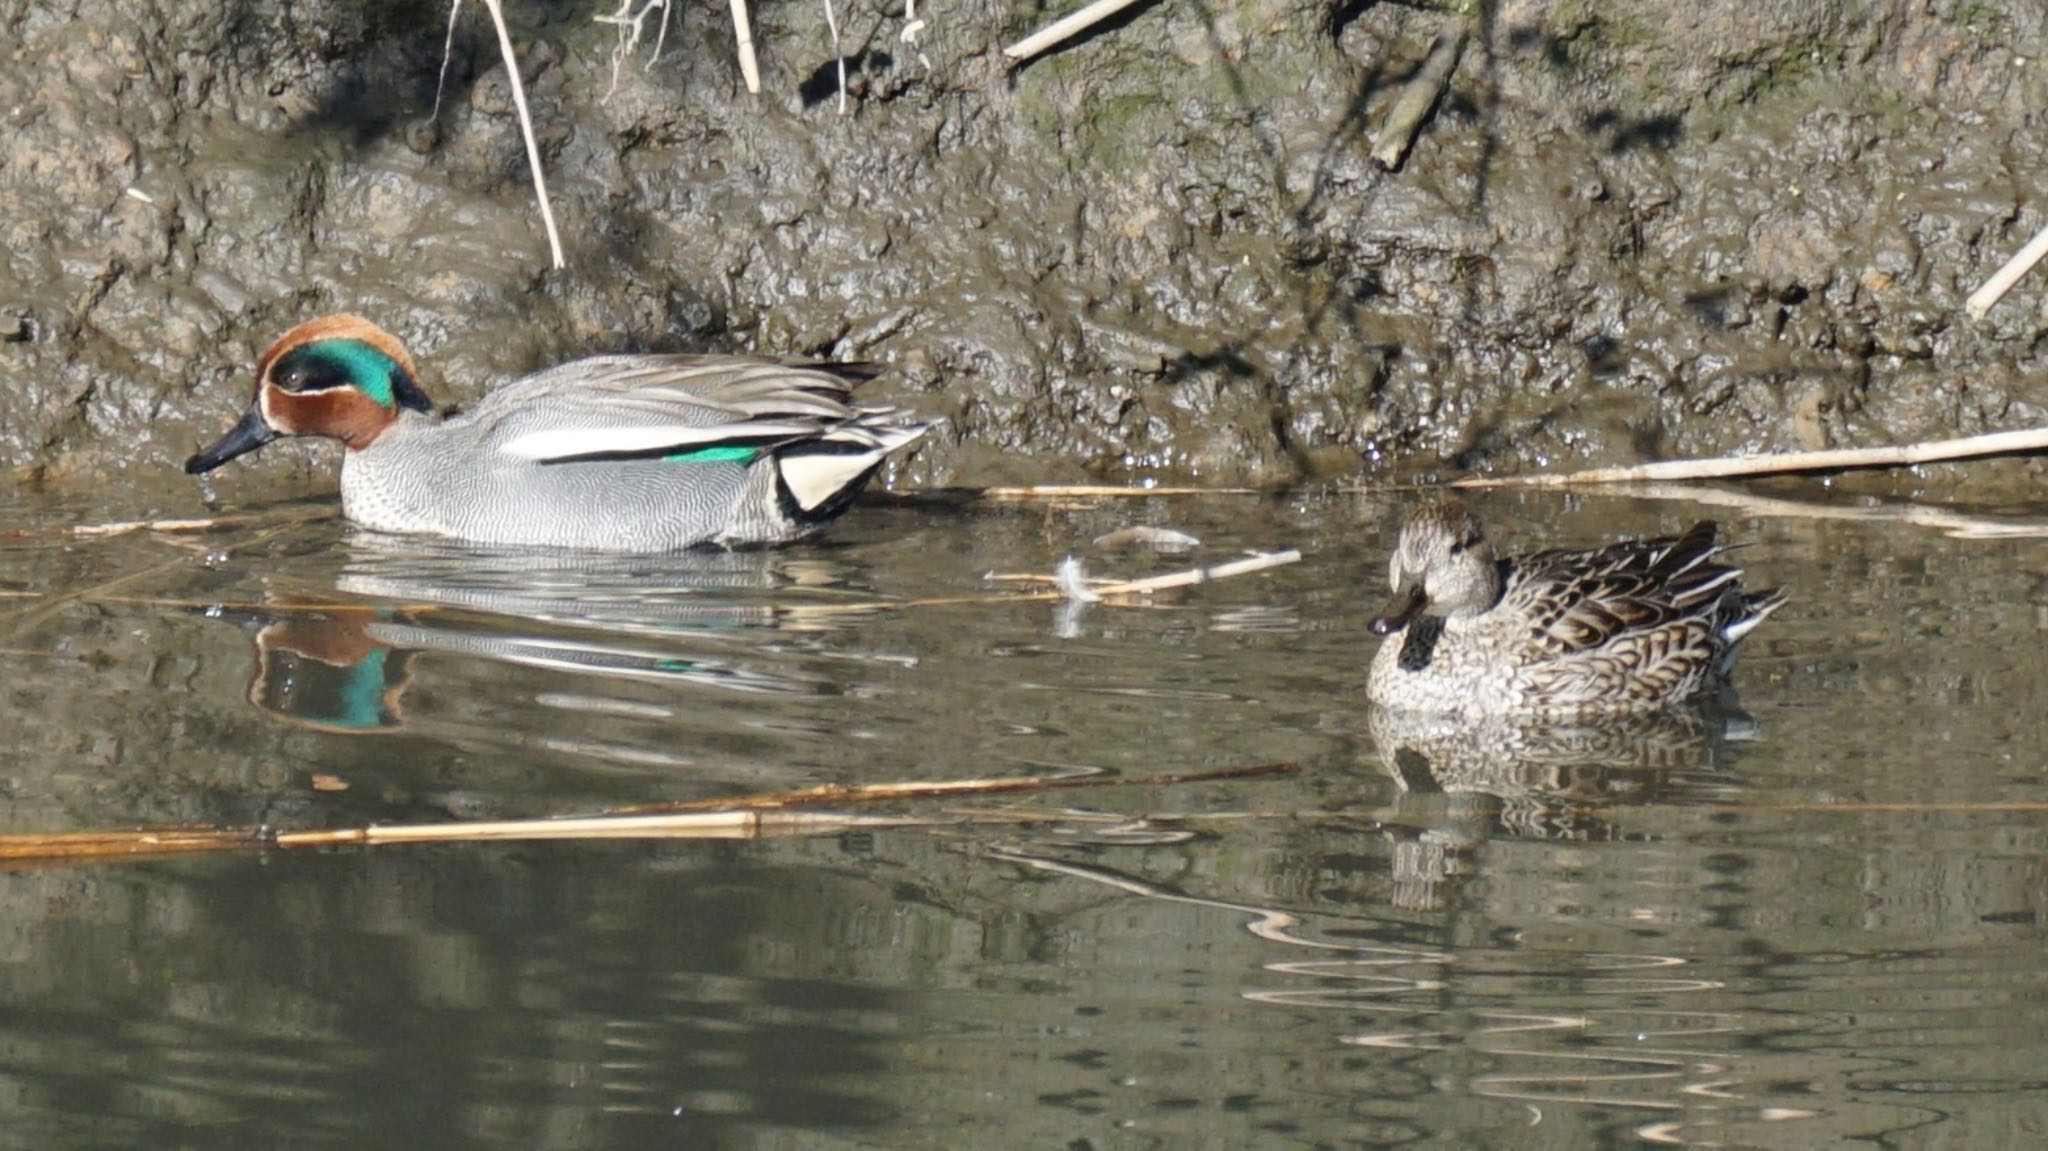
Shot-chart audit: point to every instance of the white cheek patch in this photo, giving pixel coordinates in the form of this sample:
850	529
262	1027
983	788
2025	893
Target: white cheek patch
270	414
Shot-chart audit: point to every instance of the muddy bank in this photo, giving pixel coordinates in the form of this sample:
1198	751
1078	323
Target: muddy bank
1162	250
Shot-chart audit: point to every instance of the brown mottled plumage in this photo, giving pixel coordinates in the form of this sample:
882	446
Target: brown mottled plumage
1621	628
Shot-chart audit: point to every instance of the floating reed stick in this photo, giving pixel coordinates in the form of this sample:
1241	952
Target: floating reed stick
1955	525
1254	563
1257	562
1723	467
105	594
129	526
750	817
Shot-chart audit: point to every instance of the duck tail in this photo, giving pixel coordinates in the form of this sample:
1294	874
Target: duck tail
1745	611
816	478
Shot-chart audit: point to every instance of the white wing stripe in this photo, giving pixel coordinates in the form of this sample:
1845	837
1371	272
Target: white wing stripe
566	443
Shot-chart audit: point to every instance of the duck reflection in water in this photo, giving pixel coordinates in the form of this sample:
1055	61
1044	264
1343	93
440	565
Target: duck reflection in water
348	671
328	674
336	667
1463	781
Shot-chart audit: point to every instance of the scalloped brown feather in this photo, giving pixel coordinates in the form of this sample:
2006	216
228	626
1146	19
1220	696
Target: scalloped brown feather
1624	627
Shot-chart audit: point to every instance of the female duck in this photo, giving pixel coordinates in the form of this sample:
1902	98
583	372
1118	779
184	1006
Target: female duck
620	453
1564	634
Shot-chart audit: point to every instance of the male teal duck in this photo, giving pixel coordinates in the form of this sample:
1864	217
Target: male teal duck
1570	634
615	453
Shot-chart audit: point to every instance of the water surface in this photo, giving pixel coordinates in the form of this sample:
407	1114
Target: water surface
1813	919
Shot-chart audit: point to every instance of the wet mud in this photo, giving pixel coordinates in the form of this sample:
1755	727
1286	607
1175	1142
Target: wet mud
1624	232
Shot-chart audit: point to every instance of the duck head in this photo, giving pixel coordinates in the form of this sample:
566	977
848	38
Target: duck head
338	376
1443	566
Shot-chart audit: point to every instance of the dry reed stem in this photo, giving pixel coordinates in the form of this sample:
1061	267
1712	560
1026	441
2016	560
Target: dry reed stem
838	54
1254	563
1955	525
1065	28
1103	491
122	528
742	824
540	180
1983	299
1724	467
155	843
745	818
743	33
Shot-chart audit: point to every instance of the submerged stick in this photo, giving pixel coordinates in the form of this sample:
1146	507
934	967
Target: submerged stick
883	792
1064	28
1420	94
49	605
1983	299
1723	467
181	526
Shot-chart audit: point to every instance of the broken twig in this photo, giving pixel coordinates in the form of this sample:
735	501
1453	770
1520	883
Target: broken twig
1983	299
1064	28
1390	146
